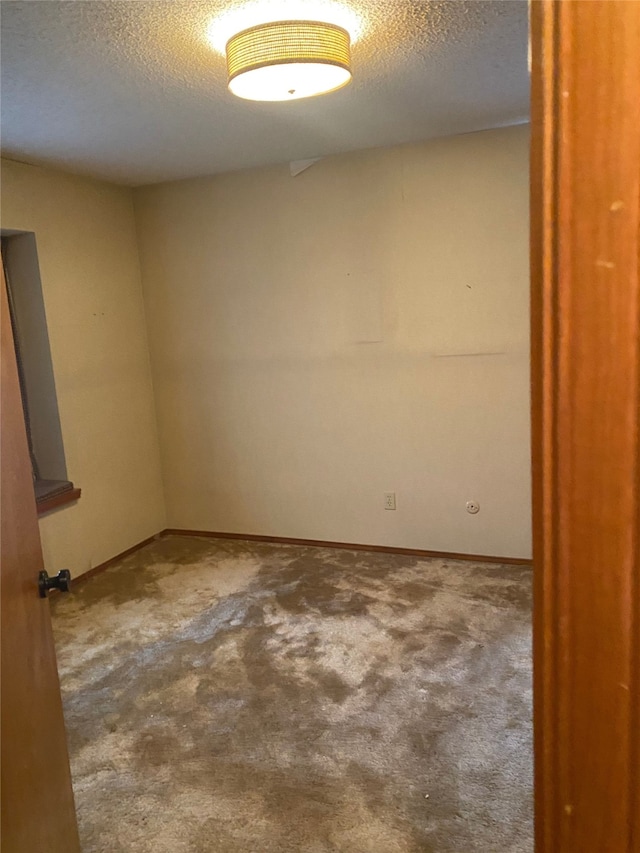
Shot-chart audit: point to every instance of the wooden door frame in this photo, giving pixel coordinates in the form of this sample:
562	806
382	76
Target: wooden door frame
585	299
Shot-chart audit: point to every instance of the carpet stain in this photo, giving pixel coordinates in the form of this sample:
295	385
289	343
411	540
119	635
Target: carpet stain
224	696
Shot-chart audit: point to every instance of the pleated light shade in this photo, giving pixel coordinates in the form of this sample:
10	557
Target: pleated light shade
288	60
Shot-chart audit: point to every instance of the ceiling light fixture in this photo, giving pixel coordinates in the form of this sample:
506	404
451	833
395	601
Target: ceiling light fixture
288	60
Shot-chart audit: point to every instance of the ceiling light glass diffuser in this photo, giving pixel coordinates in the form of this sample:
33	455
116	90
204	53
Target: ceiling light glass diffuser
288	60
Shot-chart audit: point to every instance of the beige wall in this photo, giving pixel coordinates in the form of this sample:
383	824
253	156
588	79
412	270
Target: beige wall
88	258
361	328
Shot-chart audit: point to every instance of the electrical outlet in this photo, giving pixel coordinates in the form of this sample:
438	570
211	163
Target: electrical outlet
389	500
473	507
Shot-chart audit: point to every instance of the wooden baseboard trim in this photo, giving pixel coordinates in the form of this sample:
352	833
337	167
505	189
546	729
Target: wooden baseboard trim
350	546
287	540
100	568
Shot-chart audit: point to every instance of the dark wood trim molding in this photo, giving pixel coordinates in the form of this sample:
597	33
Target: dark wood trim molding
350	546
57	501
100	568
284	540
585	289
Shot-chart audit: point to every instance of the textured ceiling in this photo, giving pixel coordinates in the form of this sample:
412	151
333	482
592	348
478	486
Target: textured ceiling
134	92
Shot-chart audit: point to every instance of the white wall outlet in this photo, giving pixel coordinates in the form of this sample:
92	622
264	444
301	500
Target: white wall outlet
389	500
473	507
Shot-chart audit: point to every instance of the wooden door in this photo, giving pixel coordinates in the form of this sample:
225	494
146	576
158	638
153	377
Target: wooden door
585	253
38	814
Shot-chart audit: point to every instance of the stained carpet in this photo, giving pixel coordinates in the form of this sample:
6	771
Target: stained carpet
237	697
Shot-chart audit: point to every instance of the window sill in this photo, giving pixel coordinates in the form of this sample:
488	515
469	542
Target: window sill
52	494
